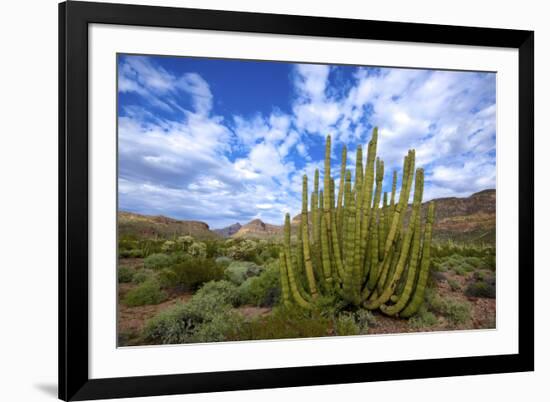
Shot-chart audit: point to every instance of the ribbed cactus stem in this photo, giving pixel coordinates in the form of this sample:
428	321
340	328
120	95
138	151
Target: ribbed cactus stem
339	205
383	225
285	287
418	296
359	166
392	283
393	189
314	206
401	300
325	248
358	246
305	239
292	280
398	214
366	197
350	290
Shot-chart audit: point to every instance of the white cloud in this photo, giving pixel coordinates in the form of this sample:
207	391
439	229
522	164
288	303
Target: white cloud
198	165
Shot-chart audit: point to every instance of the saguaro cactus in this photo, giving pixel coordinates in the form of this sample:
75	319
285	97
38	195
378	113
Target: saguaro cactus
359	247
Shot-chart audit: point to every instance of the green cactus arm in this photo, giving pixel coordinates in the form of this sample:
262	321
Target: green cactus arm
294	285
401	300
350	291
305	240
313	208
404	254
285	291
326	181
382	226
398	214
340	206
418	297
366	197
336	249
359	167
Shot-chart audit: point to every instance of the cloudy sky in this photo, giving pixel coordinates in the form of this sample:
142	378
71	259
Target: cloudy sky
226	141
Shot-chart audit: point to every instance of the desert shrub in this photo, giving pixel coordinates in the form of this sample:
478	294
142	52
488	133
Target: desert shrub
193	272
213	248
455	311
217	292
283	323
422	319
263	290
490	261
460	270
167	278
158	261
169	246
216	329
142	275
241	249
365	319
148	292
481	289
134	253
197	249
125	274
174	325
223	261
183	242
454	285
205	318
353	323
239	271
344	324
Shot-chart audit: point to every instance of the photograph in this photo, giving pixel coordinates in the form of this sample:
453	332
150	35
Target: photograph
278	199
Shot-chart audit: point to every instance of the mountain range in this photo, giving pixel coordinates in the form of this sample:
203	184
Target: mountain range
465	219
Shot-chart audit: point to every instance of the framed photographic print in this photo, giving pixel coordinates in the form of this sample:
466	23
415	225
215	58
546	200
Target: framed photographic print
258	200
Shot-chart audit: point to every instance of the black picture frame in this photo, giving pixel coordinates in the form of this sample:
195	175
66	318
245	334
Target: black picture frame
74	18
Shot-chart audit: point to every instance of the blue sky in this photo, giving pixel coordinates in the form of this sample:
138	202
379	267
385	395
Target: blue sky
224	141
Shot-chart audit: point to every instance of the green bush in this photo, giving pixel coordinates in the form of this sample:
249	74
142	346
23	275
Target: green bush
345	324
239	271
136	253
148	292
216	329
167	278
422	319
205	318
263	290
223	261
241	249
481	289
457	312
283	323
365	319
158	261
217	292
125	274
454	285
193	272
142	275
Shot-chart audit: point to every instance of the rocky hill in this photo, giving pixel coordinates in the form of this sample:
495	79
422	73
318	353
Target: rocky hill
228	231
259	230
145	226
469	219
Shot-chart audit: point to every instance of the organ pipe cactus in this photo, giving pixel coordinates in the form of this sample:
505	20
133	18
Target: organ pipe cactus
359	247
